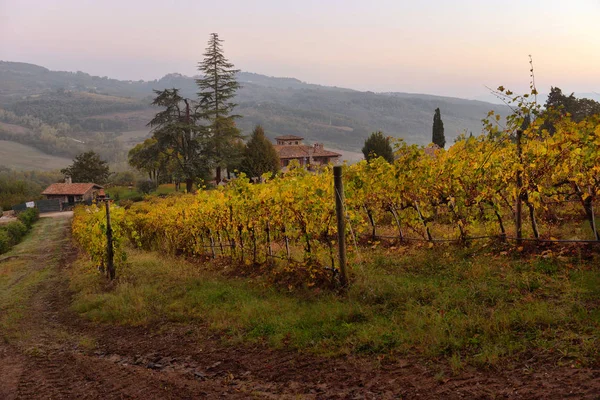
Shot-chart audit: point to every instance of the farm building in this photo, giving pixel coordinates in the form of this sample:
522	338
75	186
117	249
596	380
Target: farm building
290	148
71	193
431	149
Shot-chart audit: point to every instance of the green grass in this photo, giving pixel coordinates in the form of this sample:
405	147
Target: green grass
21	273
466	306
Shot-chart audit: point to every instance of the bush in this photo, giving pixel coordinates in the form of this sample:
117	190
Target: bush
145	187
122	178
12	233
4	241
29	216
16	230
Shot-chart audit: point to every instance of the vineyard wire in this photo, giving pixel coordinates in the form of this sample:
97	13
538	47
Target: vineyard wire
590	241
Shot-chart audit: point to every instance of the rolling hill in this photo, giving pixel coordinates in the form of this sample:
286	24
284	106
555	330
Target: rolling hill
95	110
21	157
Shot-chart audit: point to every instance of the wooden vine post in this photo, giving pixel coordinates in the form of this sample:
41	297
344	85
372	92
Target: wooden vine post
519	207
110	263
338	187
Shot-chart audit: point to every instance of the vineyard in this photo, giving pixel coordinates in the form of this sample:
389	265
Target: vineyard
464	193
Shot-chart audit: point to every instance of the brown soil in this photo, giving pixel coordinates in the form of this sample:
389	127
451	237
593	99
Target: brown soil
62	356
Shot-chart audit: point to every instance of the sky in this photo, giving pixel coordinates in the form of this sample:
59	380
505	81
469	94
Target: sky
444	47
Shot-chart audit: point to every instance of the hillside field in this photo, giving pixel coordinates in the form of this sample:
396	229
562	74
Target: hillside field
21	157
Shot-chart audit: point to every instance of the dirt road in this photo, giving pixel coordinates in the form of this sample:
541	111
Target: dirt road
48	352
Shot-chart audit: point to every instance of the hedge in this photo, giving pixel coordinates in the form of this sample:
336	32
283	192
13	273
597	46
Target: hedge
13	232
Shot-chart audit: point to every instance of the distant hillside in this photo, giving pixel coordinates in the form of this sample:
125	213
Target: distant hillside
341	118
21	157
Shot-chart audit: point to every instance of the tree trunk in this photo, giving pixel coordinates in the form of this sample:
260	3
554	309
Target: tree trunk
395	214
423	221
189	185
218	175
372	222
534	226
499	218
589	210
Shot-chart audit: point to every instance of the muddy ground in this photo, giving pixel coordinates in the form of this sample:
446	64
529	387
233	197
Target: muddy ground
58	355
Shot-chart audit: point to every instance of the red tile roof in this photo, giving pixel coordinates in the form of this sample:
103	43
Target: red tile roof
431	149
300	151
70	188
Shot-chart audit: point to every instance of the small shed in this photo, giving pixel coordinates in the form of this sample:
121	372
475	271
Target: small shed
71	193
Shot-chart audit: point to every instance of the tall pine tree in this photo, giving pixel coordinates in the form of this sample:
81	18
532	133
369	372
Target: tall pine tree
218	87
438	130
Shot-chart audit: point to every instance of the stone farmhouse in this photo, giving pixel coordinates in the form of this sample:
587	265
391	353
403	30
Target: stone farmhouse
71	193
290	147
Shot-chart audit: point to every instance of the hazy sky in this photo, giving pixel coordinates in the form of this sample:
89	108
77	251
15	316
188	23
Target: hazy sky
453	47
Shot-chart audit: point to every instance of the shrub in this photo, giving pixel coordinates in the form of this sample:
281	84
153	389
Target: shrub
4	241
146	186
29	216
15	230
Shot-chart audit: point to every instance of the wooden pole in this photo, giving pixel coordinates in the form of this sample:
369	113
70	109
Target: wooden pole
519	206
338	186
109	244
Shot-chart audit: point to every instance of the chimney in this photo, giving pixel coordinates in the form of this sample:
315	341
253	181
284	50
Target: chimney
68	179
318	146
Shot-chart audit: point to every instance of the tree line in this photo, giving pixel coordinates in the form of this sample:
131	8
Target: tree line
17	187
64	107
58	139
557	107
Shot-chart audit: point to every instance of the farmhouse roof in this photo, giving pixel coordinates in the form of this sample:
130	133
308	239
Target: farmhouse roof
431	149
299	151
289	137
70	188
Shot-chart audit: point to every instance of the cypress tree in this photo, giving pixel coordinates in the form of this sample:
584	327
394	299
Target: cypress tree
438	129
218	87
259	155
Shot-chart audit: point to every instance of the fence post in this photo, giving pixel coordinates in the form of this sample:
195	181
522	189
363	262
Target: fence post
338	186
109	244
518	213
